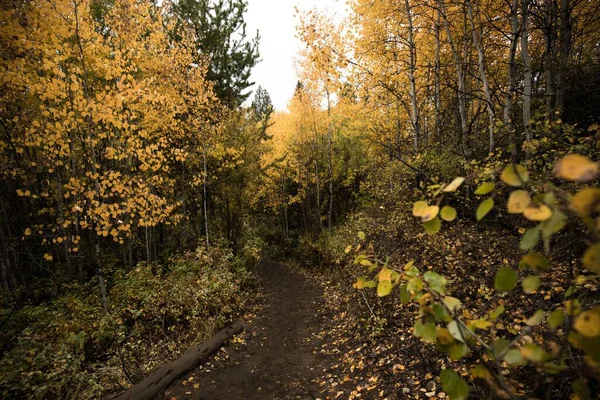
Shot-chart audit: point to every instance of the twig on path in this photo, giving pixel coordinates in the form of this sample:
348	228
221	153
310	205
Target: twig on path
367	303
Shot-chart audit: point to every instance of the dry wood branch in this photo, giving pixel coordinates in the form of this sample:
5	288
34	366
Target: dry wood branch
164	376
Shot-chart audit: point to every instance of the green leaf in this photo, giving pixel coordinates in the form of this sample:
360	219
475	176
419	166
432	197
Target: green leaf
455	331
426	331
569	292
556	319
484	208
554	224
485	188
457	351
404	294
415	285
454	385
432	227
496	312
531	284
515	175
530	239
448	213
534	260
500	345
581	389
513	357
440	312
534	353
506	279
591	346
452	303
384	288
536	318
361	235
436	282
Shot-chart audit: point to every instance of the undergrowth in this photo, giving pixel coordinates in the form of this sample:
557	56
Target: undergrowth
70	348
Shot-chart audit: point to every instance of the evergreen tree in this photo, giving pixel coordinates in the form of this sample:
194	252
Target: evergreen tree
220	32
262	108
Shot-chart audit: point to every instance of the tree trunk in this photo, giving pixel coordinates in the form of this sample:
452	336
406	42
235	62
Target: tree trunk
4	275
483	76
329	164
549	57
438	97
566	32
147	236
527	77
462	102
509	122
319	224
165	375
204	198
284	203
412	66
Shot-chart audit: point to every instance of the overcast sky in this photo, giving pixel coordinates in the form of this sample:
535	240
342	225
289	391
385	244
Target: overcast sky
278	46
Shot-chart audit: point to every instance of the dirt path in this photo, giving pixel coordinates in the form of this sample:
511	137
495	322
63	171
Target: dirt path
280	358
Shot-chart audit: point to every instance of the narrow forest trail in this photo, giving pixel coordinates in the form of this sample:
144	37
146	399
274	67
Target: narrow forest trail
280	359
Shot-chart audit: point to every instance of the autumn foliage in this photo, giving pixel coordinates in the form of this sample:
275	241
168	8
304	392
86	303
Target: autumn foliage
443	156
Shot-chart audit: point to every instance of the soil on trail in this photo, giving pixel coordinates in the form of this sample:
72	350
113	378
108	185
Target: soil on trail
280	358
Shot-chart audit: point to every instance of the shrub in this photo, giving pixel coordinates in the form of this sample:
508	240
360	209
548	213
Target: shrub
69	348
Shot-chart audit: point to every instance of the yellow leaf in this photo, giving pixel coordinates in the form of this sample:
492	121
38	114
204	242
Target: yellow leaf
429	213
575	167
444	336
452	303
419	207
448	213
591	258
588	323
514	175
384	288
586	201
47	257
385	275
479	324
360	283
537	212
27	232
455	184
518	201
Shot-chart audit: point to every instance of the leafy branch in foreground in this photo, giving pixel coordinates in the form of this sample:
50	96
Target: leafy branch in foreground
442	321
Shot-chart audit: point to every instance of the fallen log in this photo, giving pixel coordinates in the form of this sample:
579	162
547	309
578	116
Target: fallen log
165	375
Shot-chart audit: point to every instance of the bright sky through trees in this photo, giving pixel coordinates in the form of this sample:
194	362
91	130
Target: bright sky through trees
278	44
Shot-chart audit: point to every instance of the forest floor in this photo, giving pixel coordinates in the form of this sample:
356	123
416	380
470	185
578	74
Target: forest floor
278	356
